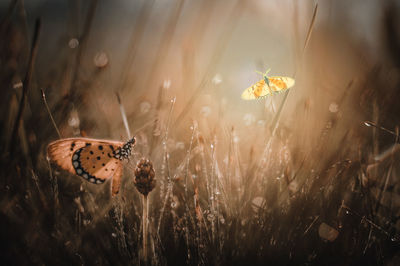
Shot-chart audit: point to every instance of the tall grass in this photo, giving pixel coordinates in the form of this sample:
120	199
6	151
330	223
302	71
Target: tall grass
307	184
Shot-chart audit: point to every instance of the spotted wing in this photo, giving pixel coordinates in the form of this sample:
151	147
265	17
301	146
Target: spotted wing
256	91
280	84
96	160
91	159
61	151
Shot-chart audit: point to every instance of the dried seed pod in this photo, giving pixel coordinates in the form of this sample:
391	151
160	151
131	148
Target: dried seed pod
144	176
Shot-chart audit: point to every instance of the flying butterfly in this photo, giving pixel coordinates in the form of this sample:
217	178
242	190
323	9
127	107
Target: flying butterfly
267	86
92	159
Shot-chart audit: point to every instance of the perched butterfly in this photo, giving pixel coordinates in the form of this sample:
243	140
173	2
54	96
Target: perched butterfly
93	159
267	86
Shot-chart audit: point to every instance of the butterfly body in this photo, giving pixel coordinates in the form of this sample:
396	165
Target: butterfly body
266	80
92	159
267	86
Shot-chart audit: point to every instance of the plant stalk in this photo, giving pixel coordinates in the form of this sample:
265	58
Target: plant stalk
145	222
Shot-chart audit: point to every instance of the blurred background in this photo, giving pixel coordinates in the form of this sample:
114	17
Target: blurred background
296	178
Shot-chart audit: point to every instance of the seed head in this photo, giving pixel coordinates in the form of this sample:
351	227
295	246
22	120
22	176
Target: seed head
144	176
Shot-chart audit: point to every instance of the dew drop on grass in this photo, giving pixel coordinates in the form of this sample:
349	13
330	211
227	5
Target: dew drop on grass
205	111
73	43
293	186
73	120
145	107
368	124
100	60
249	119
261	123
333	107
217	79
17	85
179	145
167	84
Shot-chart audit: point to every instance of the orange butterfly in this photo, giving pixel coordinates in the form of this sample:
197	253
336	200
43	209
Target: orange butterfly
267	86
93	159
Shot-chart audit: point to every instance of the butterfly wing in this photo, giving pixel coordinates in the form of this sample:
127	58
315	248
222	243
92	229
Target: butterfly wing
256	91
280	84
91	159
261	89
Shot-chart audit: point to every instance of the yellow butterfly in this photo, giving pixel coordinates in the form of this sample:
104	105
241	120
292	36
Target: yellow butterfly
93	159
267	86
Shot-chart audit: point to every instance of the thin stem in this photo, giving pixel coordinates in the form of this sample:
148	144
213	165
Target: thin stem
166	162
26	84
54	186
156	123
169	117
275	122
169	188
145	226
213	191
374	225
48	111
123	114
310	28
188	160
166	139
388	174
372	124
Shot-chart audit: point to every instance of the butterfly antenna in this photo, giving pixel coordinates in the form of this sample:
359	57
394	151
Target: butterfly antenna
259	72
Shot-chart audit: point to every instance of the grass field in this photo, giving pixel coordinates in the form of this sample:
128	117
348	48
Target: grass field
309	176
